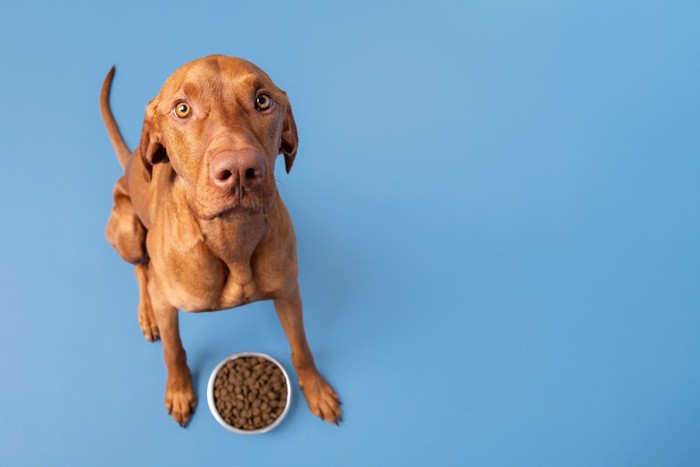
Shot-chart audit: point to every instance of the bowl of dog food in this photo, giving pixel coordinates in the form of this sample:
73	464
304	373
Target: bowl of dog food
249	393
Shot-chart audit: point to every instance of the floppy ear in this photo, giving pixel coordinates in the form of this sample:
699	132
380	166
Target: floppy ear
290	139
150	148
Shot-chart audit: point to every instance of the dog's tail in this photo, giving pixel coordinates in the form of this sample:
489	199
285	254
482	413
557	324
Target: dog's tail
115	135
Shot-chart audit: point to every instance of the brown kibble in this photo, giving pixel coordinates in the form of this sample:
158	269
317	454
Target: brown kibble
250	393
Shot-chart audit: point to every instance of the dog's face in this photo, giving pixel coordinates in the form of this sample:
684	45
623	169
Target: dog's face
221	123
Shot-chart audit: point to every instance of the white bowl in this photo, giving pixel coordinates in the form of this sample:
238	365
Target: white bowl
212	404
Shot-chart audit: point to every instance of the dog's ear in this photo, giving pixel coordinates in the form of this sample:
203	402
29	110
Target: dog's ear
290	139
151	149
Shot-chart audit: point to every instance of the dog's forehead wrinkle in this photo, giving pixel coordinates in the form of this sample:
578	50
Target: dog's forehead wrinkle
202	91
240	82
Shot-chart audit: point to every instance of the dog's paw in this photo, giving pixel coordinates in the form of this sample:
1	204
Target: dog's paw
147	322
322	399
180	400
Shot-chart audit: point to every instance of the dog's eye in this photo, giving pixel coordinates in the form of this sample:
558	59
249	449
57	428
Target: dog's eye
263	102
183	110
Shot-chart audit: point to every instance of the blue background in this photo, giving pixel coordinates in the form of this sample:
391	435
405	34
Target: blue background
496	206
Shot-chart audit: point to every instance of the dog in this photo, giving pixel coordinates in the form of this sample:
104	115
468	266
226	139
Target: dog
198	214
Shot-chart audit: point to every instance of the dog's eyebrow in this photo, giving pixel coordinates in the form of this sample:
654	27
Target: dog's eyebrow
194	90
198	89
249	79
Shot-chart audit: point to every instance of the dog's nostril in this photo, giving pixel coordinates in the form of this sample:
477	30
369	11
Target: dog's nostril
225	175
250	174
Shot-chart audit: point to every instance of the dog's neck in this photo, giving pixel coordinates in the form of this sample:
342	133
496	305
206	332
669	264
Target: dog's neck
234	239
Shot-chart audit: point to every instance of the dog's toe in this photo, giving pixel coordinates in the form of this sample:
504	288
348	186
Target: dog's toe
147	323
180	403
322	399
151	333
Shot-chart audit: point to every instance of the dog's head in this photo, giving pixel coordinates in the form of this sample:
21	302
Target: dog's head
221	123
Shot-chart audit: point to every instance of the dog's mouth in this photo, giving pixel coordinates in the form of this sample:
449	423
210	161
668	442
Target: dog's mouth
238	210
230	208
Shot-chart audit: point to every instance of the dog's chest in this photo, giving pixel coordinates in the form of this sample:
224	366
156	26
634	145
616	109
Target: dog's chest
204	270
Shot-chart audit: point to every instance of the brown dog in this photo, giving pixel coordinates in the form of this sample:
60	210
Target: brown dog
198	214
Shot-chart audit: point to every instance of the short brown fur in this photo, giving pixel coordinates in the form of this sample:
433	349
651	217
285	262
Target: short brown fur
198	247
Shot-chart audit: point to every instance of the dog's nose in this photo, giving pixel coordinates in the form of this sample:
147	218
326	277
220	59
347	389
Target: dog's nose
229	169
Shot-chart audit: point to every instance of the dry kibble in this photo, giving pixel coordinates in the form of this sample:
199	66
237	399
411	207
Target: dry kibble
250	392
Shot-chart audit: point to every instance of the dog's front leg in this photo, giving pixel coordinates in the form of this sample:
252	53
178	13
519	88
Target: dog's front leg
180	399
322	399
